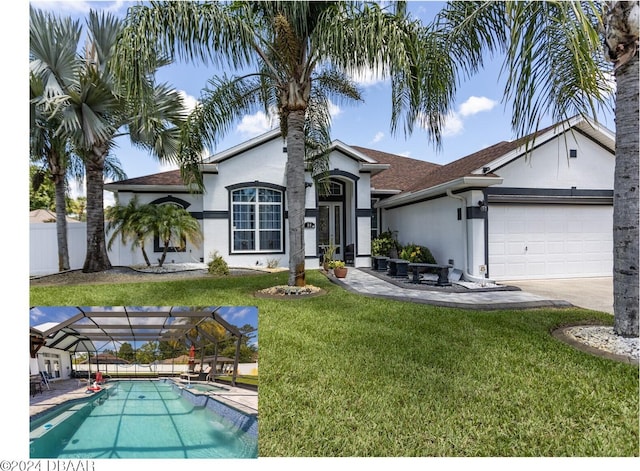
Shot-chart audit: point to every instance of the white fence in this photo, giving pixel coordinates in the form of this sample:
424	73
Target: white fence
43	249
154	368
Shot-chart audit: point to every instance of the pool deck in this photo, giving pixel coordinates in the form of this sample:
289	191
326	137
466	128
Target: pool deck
69	389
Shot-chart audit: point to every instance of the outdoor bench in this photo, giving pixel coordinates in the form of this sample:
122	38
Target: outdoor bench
379	262
398	267
443	272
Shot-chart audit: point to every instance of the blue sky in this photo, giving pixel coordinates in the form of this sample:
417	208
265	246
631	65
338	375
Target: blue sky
479	118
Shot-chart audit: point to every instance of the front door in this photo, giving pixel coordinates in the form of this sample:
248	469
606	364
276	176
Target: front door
330	230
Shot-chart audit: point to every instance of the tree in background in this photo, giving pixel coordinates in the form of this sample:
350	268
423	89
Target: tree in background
82	92
126	352
42	191
555	65
300	55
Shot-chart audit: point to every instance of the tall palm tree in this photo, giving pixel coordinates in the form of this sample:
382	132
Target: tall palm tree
621	48
82	89
174	226
54	157
555	65
296	51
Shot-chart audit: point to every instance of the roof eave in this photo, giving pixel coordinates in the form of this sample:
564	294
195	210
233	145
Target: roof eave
114	187
374	168
469	181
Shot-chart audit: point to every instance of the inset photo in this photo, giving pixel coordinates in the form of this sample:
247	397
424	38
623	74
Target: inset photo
143	382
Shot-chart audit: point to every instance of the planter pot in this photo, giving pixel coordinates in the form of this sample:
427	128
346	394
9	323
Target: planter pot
340	272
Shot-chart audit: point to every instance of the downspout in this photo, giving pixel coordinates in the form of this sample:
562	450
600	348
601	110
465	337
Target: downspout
465	239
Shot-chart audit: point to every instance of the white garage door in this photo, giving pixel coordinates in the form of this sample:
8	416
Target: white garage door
550	241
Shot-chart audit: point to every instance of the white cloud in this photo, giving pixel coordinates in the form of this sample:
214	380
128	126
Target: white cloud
334	110
454	121
453	125
190	102
378	137
255	124
367	77
475	105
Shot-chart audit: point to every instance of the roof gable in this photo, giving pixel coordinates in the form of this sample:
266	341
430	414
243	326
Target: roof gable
402	173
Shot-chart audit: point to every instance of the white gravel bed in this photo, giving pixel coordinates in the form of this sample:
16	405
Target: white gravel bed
603	338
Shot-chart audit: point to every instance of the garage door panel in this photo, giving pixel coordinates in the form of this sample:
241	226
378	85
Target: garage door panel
529	241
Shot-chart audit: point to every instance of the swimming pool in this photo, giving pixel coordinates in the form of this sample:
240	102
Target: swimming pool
144	419
203	387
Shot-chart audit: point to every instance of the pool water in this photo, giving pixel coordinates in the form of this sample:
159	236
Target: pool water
204	387
140	419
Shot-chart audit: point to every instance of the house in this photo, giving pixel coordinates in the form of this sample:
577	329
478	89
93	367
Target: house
243	209
538	207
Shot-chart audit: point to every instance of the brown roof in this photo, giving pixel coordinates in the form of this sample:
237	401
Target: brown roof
45	215
403	173
171	177
466	165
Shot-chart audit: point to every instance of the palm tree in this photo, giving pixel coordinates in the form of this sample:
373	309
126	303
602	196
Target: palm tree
621	48
132	221
82	90
300	54
54	158
173	226
556	64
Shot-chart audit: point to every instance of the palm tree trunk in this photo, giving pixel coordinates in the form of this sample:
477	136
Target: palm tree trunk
96	259
625	202
61	223
296	196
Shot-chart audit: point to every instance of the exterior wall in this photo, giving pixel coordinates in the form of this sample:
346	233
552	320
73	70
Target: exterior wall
46	361
551	167
433	224
125	255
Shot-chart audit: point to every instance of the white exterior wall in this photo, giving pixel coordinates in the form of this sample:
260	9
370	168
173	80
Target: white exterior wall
265	163
550	166
433	224
125	255
45	353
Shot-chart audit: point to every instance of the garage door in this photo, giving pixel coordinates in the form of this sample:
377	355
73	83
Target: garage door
550	241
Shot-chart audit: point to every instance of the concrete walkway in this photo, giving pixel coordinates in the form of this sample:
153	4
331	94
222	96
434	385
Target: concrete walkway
505	296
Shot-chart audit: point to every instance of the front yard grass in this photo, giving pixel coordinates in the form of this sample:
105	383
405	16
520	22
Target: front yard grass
346	375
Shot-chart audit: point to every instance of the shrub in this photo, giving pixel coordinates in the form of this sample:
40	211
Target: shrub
336	264
385	244
417	254
217	265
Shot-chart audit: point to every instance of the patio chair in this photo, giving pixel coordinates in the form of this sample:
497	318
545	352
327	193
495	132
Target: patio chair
204	374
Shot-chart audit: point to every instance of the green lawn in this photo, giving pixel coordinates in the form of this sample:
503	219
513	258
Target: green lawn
346	375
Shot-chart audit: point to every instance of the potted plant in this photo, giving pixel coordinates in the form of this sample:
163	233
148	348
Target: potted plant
339	268
327	256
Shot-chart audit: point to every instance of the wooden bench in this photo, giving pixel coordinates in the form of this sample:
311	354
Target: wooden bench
379	262
398	267
443	272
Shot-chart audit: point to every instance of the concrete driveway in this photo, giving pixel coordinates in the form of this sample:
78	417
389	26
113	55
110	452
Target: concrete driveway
589	293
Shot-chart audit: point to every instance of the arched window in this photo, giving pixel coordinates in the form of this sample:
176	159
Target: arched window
256	220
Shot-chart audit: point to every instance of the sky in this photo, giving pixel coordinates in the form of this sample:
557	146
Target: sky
479	118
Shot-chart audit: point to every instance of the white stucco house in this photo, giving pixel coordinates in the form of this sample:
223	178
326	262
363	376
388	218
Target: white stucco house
532	208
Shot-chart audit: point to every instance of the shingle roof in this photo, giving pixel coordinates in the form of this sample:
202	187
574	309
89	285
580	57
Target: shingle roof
403	173
466	165
171	177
